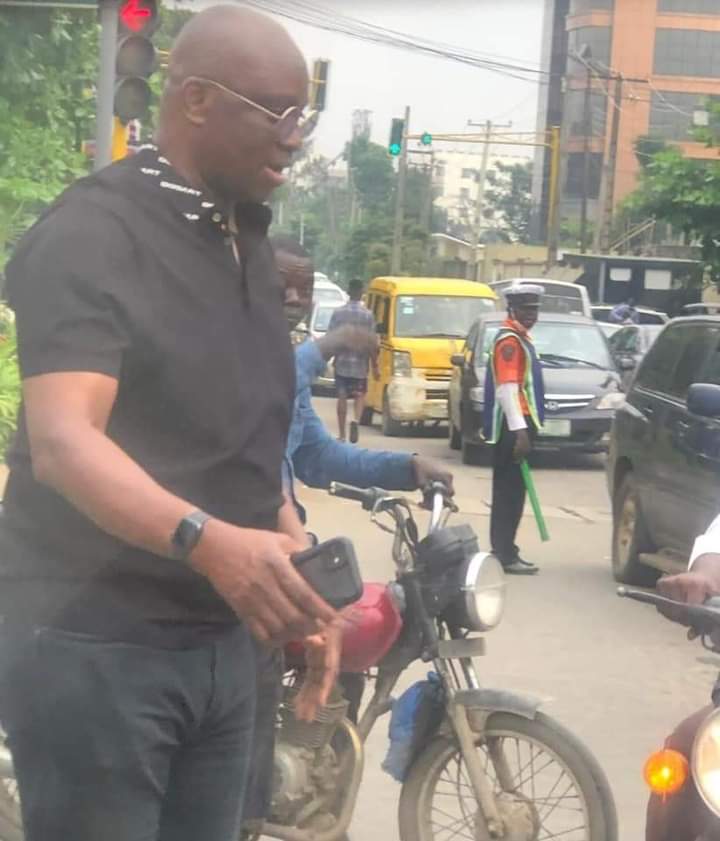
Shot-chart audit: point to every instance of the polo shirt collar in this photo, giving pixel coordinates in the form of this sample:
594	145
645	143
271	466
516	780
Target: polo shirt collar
195	205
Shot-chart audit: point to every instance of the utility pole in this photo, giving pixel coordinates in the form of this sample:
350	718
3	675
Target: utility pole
108	13
426	220
471	272
396	261
607	188
587	132
555	192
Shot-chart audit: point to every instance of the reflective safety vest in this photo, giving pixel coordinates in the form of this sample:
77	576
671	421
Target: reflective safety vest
533	388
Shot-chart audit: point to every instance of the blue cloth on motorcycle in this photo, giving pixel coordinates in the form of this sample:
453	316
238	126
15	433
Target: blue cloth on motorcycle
416	717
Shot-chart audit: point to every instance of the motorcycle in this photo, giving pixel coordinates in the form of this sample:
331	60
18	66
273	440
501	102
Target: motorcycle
667	771
487	764
482	764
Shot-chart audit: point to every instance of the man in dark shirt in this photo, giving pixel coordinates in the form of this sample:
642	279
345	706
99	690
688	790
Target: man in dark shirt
140	544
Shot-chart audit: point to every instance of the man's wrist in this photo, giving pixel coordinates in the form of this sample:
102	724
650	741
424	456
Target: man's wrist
707	564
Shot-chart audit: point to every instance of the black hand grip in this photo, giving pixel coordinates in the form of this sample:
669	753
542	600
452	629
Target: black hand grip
367	496
703	618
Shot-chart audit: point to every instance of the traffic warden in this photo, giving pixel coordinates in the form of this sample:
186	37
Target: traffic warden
513	414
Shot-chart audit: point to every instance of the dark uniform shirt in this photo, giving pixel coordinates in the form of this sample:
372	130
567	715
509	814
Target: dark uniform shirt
132	274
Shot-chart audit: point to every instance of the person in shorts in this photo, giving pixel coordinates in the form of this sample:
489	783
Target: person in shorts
351	366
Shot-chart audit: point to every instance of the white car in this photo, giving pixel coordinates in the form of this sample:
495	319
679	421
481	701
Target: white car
318	327
327	292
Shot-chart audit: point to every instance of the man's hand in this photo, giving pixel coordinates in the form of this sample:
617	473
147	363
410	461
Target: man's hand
252	571
428	471
348	338
693	587
322	660
523	445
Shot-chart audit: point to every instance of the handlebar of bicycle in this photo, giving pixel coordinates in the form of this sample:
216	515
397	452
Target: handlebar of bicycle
702	617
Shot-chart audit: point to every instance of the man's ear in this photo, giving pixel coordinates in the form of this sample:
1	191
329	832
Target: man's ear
197	100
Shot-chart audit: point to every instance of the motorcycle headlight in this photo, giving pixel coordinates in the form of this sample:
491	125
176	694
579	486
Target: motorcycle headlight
706	761
612	400
479	607
401	364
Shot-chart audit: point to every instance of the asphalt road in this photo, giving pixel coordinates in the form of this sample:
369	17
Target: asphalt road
614	672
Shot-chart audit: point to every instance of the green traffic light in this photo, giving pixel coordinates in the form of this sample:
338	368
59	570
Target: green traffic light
426	139
395	149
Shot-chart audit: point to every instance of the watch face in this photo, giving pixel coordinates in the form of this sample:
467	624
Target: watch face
188	534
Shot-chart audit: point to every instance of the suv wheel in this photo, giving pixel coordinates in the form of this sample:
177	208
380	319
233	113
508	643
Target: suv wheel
630	537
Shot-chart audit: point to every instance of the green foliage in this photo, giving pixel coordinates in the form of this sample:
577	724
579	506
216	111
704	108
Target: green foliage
48	62
684	193
509	199
10	386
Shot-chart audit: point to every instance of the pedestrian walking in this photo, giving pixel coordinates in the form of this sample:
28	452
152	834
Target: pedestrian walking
352	366
513	414
140	545
624	313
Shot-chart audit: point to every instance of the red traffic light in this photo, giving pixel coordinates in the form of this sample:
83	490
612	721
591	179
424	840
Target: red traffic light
138	15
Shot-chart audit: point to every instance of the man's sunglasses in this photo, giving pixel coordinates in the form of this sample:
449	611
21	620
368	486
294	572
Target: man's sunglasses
292	119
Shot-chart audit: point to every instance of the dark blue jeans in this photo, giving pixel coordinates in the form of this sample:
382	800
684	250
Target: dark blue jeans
122	742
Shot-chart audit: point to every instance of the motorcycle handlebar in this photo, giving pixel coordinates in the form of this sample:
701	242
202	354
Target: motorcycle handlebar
367	496
699	616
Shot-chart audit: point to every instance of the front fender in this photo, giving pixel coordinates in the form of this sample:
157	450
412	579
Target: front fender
487	701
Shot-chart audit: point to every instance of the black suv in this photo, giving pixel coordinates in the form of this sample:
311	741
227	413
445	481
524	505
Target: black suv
664	458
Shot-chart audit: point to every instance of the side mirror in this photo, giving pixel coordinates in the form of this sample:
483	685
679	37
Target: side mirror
703	399
626	363
457	360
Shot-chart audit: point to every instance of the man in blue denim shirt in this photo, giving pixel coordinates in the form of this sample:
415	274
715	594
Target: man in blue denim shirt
317	459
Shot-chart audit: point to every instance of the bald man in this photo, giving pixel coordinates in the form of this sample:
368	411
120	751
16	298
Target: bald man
140	547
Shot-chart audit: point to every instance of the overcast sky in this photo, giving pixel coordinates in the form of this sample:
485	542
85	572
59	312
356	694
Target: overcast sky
442	94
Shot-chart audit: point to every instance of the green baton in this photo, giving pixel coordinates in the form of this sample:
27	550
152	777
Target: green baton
534	501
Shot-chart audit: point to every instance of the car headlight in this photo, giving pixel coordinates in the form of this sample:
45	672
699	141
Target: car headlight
401	363
480	604
706	761
612	400
477	394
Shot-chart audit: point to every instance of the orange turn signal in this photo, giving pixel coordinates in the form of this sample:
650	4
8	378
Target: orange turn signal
665	772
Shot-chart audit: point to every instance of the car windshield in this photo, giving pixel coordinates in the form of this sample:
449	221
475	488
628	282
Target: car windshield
438	316
321	319
327	294
563	345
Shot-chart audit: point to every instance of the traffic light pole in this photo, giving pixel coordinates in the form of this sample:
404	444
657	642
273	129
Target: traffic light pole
396	261
106	82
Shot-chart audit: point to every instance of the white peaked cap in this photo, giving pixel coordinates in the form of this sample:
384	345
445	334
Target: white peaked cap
518	290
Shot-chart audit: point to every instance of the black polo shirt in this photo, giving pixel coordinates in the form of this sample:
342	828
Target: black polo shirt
132	274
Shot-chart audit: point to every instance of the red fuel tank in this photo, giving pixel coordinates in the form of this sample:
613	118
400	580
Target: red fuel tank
372	625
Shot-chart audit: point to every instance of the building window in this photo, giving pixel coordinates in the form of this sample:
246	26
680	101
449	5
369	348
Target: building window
579	6
687	52
576	175
597	38
469	173
464	192
671	114
575	113
689	7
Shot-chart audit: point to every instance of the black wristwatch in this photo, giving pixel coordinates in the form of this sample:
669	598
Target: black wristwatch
187	535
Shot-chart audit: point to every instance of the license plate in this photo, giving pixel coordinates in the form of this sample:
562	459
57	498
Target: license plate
556	428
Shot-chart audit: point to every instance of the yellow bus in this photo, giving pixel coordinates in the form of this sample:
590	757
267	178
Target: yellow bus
421	322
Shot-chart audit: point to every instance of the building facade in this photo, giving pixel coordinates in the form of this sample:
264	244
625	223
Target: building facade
667	53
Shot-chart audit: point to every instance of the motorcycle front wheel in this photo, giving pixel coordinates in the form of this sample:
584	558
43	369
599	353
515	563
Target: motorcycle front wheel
547	784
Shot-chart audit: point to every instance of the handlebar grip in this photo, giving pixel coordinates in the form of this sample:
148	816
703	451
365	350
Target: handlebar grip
348	492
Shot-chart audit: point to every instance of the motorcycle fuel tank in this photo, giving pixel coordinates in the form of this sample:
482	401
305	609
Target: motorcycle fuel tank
373	624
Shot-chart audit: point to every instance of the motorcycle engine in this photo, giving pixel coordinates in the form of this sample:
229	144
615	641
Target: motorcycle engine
305	764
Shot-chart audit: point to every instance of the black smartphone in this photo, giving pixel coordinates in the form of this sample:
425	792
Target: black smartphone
332	570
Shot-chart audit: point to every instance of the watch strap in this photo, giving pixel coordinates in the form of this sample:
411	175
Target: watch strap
187	535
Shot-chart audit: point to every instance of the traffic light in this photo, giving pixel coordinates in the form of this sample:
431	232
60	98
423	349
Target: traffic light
397	136
135	58
319	84
426	138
